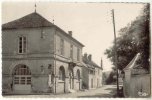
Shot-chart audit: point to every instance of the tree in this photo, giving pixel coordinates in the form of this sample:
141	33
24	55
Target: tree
111	78
132	39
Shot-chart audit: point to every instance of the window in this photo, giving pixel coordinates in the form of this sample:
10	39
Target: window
22	75
62	46
92	72
71	51
61	73
98	71
16	80
28	80
78	75
97	82
42	69
22	44
92	83
22	70
78	54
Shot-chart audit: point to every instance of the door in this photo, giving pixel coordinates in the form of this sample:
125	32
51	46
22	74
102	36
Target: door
22	79
91	83
78	78
71	80
62	79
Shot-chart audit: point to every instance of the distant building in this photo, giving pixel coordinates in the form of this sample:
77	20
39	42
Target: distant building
92	73
39	57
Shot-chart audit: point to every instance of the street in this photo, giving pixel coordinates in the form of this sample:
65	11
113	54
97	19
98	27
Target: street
106	91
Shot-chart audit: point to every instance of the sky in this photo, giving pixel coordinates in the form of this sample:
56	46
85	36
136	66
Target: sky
91	23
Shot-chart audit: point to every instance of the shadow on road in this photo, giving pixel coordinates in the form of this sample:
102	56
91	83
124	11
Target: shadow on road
96	96
109	89
99	95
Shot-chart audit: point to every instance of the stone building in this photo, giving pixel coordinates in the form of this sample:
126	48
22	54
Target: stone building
92	73
39	57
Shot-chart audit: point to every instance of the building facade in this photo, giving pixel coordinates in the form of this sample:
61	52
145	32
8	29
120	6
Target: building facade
39	57
92	73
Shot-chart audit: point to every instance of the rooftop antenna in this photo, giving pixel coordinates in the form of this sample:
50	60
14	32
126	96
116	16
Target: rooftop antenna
35	7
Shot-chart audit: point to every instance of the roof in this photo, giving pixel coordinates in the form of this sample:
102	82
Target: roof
133	61
94	64
33	20
90	64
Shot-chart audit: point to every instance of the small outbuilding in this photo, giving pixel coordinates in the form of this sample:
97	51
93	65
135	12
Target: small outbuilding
136	80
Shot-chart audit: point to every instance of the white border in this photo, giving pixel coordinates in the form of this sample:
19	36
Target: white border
108	1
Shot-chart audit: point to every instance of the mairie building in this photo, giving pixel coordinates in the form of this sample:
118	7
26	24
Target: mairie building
39	57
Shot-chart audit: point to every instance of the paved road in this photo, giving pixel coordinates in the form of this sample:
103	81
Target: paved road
103	92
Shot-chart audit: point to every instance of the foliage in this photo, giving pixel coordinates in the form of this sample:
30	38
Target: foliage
111	78
132	39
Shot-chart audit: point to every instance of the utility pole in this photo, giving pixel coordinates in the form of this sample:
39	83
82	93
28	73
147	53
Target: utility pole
115	50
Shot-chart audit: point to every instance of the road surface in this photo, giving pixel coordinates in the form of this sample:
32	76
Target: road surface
106	91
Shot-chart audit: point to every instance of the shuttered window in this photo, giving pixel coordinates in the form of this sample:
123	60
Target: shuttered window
22	44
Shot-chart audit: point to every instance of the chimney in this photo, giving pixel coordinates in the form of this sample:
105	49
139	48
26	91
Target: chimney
85	55
101	63
70	33
90	57
85	58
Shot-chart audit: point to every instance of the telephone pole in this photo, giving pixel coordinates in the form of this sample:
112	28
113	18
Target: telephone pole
115	50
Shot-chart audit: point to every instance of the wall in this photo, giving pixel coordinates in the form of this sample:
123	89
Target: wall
90	79
67	44
85	78
98	76
39	53
39	79
126	82
64	86
77	83
35	44
137	83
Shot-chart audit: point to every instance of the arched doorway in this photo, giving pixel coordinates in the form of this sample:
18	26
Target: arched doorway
62	78
22	78
78	78
71	79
